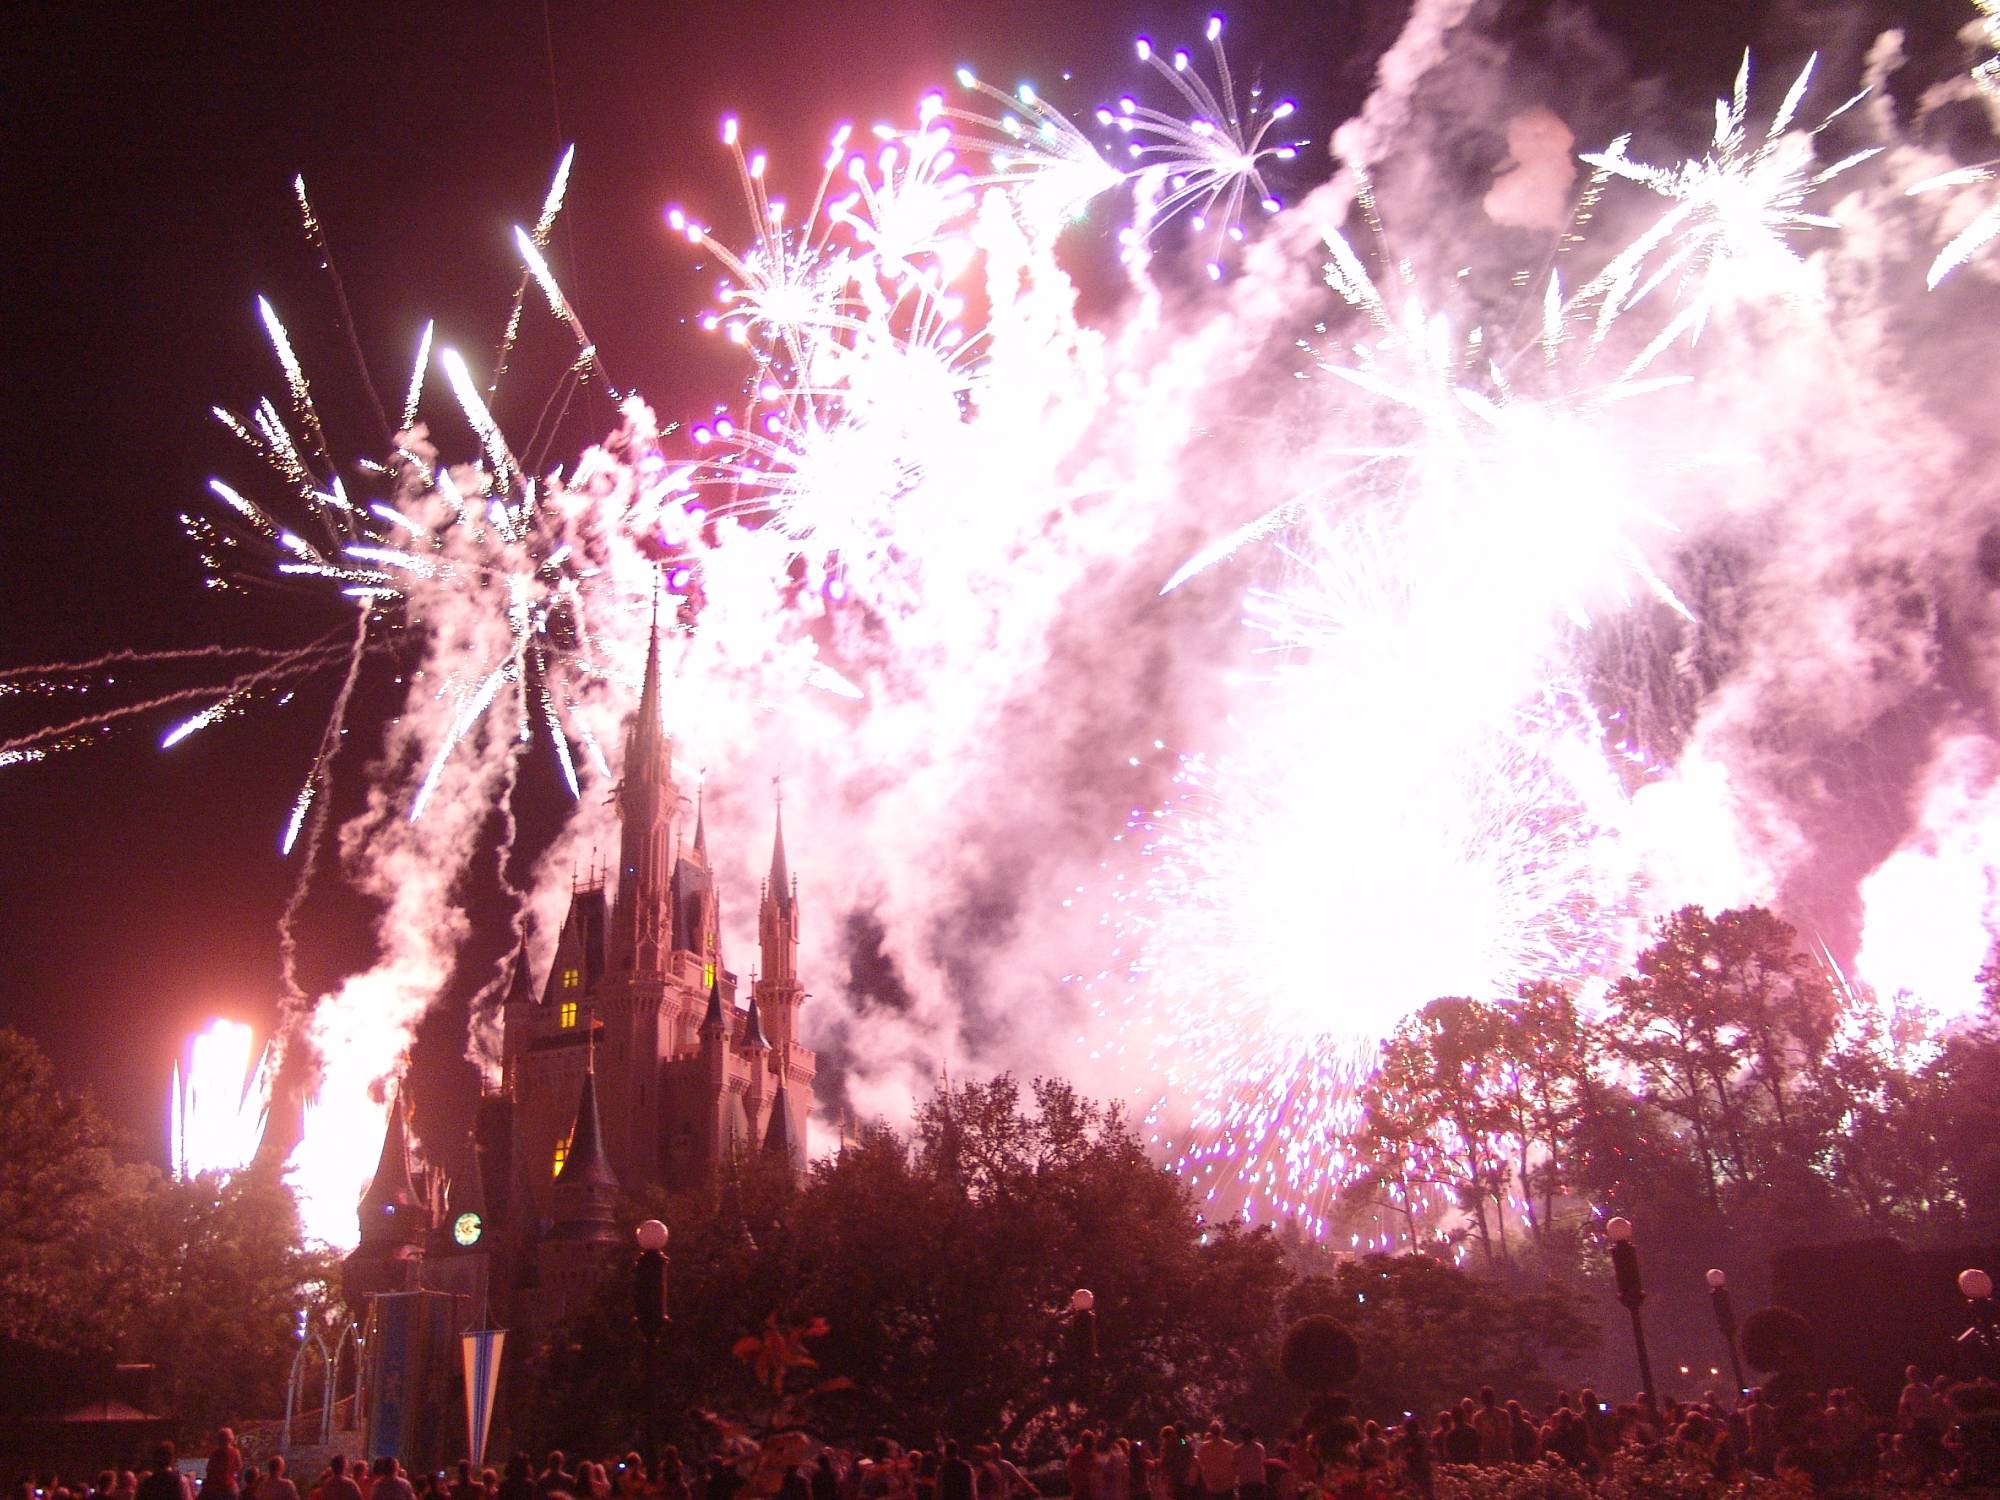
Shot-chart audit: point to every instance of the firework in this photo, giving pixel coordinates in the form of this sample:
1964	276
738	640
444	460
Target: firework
936	480
1726	235
1319	878
1209	163
216	1118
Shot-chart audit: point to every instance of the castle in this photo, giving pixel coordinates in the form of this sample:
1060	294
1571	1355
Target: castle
631	1066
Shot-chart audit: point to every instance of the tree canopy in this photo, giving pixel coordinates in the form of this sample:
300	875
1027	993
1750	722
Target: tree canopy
105	1259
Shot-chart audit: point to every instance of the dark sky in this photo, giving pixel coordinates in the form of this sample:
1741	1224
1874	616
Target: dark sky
150	154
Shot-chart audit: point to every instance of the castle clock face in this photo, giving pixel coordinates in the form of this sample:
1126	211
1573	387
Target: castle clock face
467	1228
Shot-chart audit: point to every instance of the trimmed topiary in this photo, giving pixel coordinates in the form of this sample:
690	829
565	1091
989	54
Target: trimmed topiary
1319	1354
1775	1338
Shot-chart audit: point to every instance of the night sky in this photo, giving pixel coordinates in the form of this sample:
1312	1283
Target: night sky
151	151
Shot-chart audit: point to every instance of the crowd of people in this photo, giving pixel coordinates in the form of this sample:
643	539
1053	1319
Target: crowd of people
1941	1432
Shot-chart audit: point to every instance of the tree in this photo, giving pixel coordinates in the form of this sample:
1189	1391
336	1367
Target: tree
1479	1099
107	1259
1429	1333
1720	1021
71	1269
1550	1080
231	1276
941	1263
1434	1106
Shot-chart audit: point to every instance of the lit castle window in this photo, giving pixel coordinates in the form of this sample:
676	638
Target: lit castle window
572	979
566	1014
562	1155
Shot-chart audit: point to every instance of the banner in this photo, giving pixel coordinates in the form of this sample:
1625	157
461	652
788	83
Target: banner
409	1378
482	1376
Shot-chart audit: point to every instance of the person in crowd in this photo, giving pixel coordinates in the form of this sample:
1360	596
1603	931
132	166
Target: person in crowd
1216	1461
338	1483
672	1479
224	1479
1524	1444
1461	1438
164	1481
1249	1463
955	1480
556	1478
390	1481
276	1483
1081	1463
1496	1432
1411	1453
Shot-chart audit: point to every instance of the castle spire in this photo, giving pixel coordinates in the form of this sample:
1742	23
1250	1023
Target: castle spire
586	1165
391	1187
701	823
392	1215
641	927
778	1139
781	877
778	919
520	991
753	1030
649	688
715	1020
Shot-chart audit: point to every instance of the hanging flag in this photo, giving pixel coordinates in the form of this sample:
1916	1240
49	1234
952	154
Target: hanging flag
482	1376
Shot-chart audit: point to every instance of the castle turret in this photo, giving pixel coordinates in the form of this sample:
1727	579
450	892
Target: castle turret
780	1139
585	1187
580	1247
754	1039
394	1223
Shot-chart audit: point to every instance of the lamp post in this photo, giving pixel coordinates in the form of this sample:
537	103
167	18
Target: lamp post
1982	1338
649	1310
1725	1321
1083	1339
1625	1266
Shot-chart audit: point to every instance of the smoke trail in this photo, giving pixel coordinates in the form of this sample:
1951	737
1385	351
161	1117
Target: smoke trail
314	795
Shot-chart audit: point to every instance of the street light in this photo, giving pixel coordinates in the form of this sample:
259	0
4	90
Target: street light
1083	1338
649	1310
1625	1266
1982	1339
1725	1320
